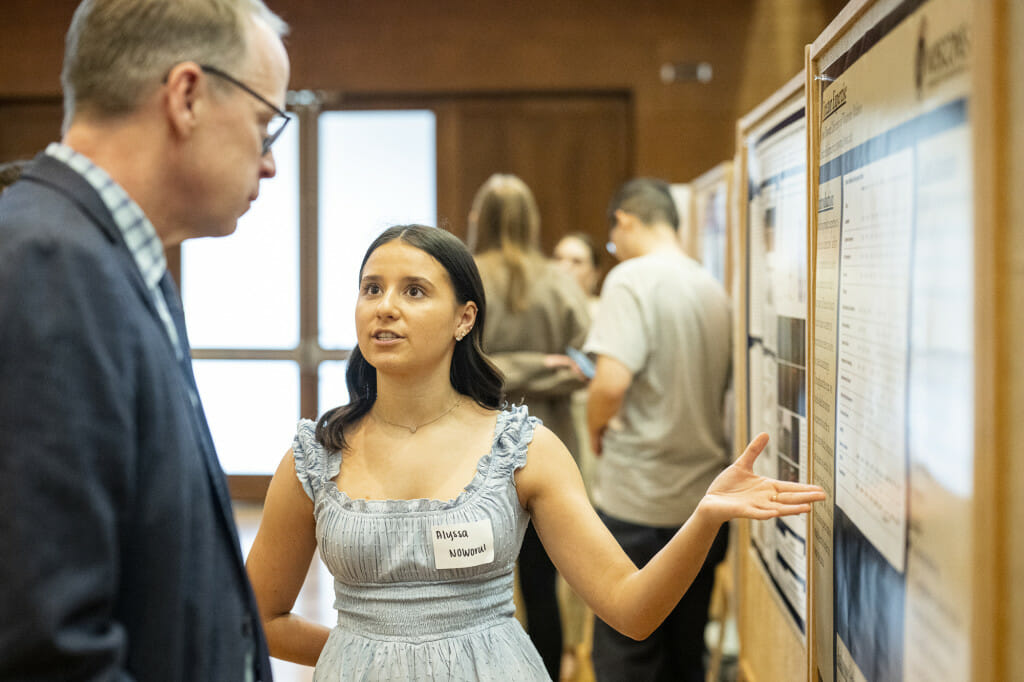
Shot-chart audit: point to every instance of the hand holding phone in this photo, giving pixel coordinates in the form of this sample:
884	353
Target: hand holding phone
582	361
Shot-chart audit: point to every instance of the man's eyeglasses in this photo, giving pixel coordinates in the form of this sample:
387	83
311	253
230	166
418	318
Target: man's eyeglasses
276	125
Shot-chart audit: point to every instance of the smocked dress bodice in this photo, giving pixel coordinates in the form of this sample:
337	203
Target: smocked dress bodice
423	588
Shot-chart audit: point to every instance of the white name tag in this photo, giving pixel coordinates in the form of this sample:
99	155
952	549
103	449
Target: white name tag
461	545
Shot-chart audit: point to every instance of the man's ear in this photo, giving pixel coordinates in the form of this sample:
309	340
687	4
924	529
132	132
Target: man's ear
183	92
623	219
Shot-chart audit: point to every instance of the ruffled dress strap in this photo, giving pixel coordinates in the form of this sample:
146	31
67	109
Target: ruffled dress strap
314	466
514	435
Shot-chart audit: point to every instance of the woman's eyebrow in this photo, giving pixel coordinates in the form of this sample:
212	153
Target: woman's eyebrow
412	279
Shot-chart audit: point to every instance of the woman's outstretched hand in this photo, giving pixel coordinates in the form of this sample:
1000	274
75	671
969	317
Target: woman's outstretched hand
738	492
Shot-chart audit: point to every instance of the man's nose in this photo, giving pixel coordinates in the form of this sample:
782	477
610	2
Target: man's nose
268	166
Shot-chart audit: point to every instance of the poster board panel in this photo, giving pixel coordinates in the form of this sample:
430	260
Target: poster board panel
893	355
1012	40
710	198
770	182
998	135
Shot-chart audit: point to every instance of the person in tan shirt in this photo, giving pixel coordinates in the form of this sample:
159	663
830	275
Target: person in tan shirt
655	417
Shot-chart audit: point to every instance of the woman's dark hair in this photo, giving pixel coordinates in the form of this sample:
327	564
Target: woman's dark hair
472	373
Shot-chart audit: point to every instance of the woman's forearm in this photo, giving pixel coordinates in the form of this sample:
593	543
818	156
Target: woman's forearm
293	638
646	597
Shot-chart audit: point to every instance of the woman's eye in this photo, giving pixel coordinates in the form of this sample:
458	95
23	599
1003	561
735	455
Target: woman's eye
415	291
371	289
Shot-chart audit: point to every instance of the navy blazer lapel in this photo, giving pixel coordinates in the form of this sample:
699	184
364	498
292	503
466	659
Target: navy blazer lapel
214	469
49	171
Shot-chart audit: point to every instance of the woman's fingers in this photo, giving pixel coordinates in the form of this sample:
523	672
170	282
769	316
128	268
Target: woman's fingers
799	496
789	486
746	460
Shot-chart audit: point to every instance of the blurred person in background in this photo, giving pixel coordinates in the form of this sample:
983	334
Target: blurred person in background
576	254
537	312
662	338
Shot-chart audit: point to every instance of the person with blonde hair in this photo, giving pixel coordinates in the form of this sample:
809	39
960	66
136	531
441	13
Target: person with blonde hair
538	311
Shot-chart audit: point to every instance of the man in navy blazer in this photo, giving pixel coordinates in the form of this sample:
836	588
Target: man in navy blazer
119	558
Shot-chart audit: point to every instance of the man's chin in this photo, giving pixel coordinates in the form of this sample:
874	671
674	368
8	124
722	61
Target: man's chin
227	229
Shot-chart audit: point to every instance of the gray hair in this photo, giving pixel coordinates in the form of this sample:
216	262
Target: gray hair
118	51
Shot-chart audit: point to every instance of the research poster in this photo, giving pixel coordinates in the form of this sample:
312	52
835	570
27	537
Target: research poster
712	203
777	334
893	358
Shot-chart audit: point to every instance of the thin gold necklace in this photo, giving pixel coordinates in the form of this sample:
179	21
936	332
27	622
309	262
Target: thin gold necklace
416	427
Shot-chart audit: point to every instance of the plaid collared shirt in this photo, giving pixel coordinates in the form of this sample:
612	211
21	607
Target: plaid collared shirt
138	233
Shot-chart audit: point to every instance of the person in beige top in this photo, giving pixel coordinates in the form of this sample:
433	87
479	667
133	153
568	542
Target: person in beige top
537	311
655	417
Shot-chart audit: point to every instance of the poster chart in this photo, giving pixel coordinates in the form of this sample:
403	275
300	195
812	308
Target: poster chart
892	378
777	332
711	213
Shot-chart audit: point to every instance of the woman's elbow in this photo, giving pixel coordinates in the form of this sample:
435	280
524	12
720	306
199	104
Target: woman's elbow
637	625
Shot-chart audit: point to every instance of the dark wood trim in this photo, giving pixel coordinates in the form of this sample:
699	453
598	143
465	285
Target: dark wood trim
248	488
310	351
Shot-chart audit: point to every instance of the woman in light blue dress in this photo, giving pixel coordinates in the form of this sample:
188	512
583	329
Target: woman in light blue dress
418	493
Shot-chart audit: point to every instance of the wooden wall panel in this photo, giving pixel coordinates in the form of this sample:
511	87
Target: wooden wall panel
549	143
26	126
459	46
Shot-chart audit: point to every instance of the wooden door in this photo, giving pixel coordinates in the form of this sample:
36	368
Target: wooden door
572	149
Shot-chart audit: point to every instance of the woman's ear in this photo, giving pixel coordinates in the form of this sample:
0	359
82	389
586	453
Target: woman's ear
466	320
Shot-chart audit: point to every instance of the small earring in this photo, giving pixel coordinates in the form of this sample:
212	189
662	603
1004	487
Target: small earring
458	337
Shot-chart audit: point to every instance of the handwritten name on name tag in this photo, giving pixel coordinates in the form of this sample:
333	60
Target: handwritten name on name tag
461	545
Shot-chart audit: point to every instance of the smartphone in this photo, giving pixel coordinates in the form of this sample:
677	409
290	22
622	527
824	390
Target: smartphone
582	361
